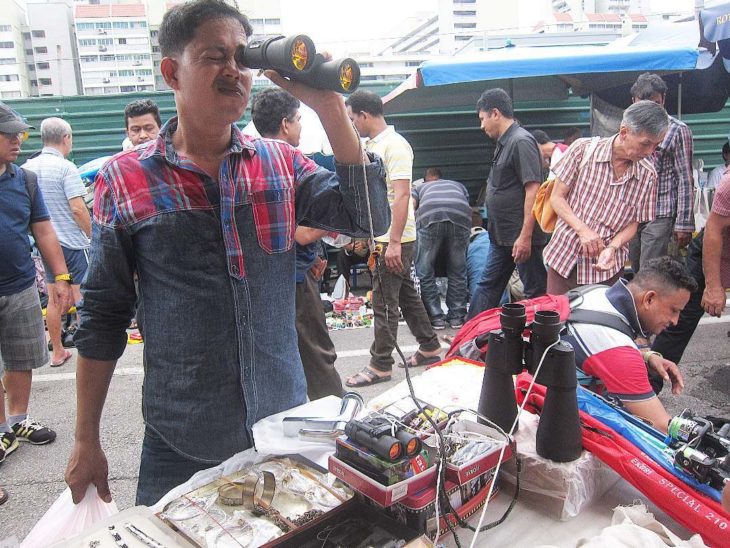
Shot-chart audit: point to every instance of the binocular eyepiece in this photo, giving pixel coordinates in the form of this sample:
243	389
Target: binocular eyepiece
296	57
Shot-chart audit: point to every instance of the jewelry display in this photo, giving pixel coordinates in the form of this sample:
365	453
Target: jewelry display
117	537
143	537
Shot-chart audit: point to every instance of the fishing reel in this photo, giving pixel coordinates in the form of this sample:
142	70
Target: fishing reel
702	447
296	57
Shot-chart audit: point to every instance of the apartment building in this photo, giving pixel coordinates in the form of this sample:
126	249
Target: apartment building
50	45
14	80
114	47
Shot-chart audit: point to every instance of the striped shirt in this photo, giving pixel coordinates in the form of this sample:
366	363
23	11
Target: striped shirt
442	200
607	206
606	353
59	181
397	156
675	184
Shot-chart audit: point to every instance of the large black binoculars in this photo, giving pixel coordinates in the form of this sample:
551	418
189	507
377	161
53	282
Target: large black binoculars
378	435
296	57
558	434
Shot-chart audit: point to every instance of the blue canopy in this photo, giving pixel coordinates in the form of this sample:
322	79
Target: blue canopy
550	72
525	62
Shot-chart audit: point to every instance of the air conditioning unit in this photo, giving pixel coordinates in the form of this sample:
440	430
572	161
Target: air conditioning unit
100	31
102	48
106	80
140	79
137	63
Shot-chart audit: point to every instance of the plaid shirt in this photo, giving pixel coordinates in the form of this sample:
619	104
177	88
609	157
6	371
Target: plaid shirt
675	184
604	204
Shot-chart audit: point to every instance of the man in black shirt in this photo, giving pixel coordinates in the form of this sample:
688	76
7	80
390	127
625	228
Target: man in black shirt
513	181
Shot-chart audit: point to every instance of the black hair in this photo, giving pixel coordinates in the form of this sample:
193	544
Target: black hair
496	98
433	172
270	106
665	272
648	84
572	133
726	148
541	137
181	21
140	108
363	100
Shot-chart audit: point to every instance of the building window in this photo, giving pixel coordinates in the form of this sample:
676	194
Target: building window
7	45
34	83
272	21
29	52
8	77
42	49
144	72
106	57
11	95
30	66
87	42
121	25
89	58
44	81
84	26
154	33
413	63
103	25
9	61
44	66
105	41
126	89
38	33
465	25
122	41
126	73
155	49
6	28
465	13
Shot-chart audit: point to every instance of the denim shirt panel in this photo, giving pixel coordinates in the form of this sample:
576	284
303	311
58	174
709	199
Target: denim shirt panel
220	347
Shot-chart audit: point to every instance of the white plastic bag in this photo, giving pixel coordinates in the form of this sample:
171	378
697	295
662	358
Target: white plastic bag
64	519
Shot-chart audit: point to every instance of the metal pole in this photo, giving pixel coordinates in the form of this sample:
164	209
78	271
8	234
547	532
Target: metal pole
679	97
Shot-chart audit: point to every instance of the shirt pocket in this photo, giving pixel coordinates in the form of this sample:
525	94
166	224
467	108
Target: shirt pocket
273	213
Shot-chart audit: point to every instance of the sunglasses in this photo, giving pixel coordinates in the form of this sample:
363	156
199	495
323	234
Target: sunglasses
21	136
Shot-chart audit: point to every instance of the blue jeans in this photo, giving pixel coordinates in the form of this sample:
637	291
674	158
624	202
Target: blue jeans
161	469
453	240
496	275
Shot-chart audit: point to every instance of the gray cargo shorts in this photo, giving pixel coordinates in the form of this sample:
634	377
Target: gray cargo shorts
22	334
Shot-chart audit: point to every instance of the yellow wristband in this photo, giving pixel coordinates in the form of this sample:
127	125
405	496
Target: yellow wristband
649	353
63	278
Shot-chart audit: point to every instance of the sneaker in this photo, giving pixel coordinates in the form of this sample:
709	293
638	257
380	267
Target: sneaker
438	323
33	432
8	444
456	323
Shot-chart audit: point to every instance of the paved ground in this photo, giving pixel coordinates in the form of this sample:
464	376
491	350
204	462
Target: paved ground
34	475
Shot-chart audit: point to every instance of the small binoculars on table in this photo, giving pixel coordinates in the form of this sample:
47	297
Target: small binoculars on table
296	57
558	434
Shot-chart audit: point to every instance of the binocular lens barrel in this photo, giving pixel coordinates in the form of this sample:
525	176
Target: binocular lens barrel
384	446
287	54
411	443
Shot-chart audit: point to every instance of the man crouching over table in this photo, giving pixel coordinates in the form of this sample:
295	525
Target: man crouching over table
206	216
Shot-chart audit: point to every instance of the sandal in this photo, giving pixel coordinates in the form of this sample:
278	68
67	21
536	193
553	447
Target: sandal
64	360
366	377
418	360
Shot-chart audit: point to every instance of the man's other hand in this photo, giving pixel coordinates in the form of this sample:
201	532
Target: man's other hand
62	294
590	242
393	259
668	371
606	259
713	300
522	249
87	466
682	238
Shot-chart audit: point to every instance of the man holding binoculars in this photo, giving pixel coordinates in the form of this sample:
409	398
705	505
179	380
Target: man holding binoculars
206	216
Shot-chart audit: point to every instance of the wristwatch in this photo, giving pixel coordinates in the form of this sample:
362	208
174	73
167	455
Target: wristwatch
63	278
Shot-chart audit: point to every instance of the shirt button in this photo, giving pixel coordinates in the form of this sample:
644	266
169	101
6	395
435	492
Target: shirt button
234	269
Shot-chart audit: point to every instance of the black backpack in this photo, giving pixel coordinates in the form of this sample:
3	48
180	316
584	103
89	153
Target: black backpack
605	319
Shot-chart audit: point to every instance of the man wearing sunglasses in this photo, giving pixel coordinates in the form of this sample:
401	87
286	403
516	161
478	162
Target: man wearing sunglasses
22	334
